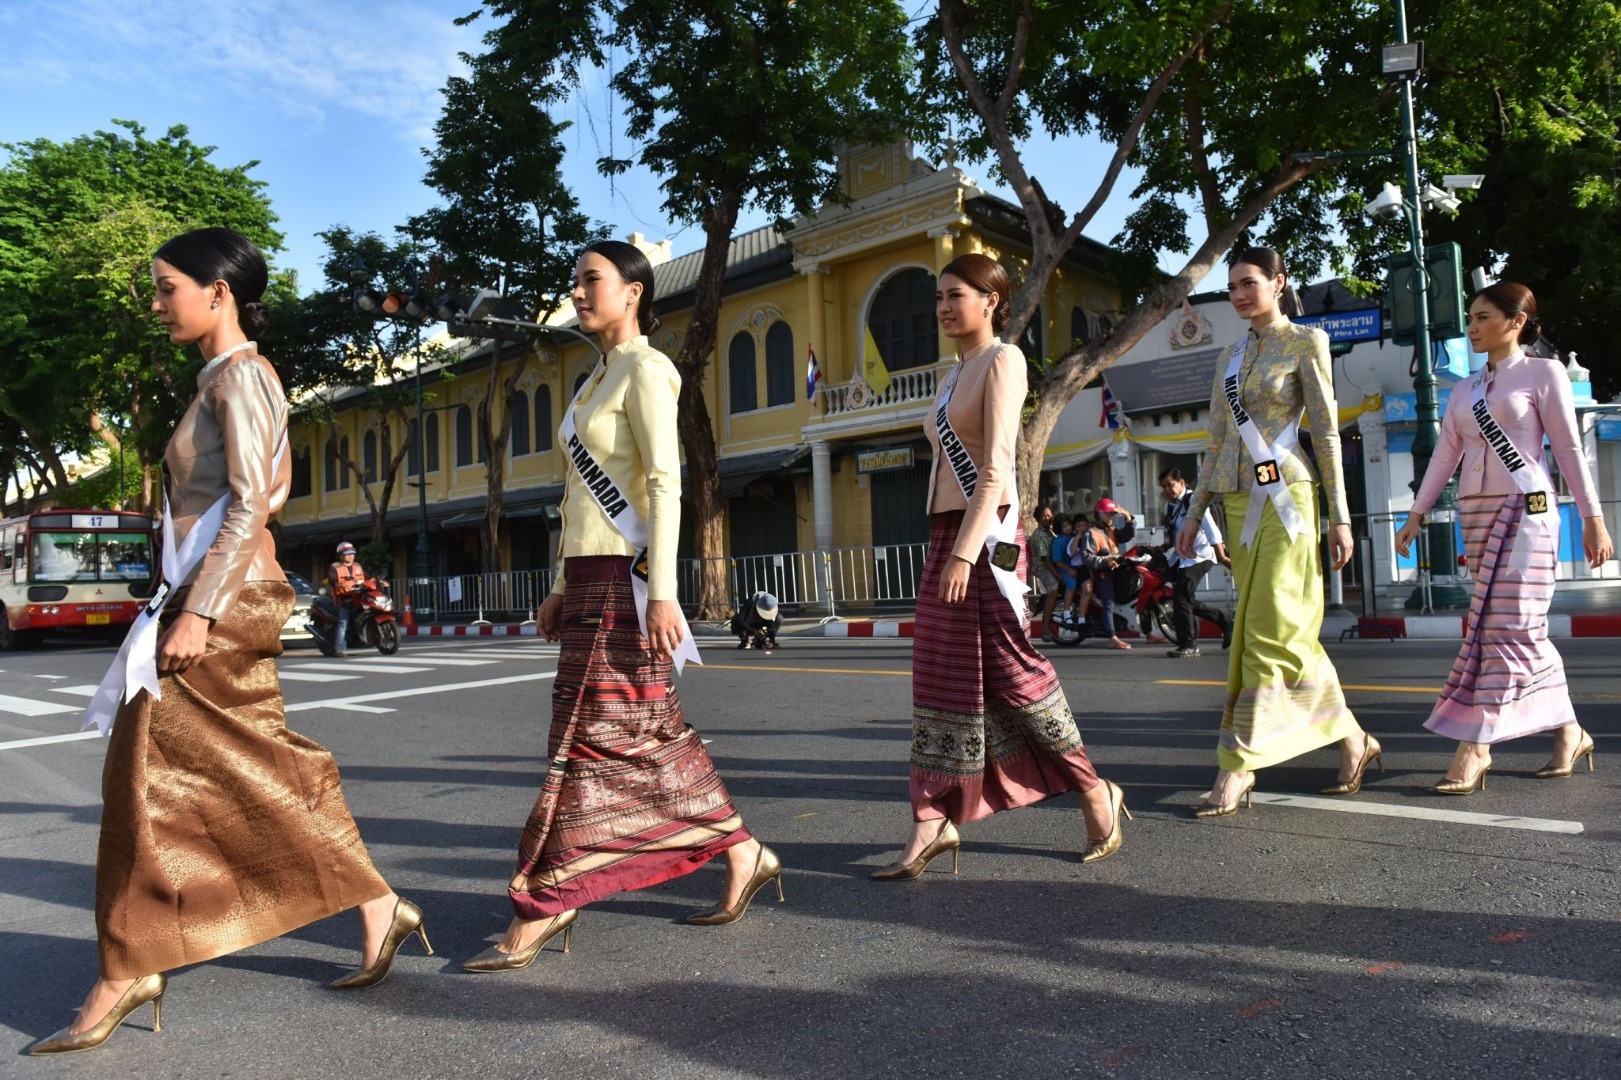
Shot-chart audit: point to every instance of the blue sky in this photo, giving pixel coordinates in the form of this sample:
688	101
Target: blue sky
336	101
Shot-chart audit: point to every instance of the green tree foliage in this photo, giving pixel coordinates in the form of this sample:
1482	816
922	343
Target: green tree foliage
81	359
508	221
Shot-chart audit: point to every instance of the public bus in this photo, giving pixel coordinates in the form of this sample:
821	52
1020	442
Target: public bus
74	571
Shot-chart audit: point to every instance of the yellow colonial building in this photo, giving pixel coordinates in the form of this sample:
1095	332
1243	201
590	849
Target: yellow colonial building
843	469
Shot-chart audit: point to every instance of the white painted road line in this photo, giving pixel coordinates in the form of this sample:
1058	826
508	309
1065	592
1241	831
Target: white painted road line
450	661
86	690
1423	813
50	676
351	707
27	707
417	691
313	676
361	666
504	654
18	744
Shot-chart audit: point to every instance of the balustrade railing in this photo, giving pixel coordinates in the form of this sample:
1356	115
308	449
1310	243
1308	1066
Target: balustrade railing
907	387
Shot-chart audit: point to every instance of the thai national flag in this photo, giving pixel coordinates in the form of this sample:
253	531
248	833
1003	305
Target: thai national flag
1113	416
813	372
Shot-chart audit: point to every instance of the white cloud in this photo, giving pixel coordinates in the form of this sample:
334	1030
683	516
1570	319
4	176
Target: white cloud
303	59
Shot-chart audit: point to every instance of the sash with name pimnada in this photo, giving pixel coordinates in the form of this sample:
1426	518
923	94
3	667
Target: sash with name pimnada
1000	546
1268	476
135	668
1539	525
624	518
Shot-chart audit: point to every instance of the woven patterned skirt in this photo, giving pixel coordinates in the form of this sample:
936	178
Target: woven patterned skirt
1283	694
630	798
221	828
1508	679
991	729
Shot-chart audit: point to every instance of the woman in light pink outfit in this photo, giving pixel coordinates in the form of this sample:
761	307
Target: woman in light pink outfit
1508	680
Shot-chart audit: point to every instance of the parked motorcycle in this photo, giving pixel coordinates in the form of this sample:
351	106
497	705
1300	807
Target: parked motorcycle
371	623
1142	581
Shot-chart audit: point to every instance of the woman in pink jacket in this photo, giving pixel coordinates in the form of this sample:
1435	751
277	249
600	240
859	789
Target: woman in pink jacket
1508	680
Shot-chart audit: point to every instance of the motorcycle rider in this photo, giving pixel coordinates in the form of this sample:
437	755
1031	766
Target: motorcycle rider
347	577
1186	572
1099	551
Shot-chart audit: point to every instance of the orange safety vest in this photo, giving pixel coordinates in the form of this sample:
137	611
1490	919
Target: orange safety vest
346	579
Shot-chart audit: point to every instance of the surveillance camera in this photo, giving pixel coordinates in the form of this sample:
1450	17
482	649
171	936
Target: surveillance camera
1462	181
1387	204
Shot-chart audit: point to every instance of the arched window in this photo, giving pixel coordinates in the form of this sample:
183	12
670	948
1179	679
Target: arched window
779	364
902	321
368	456
433	442
1034	339
387	457
1080	332
464	435
301	485
579	381
518	409
543	418
343	462
414	460
333	467
740	372
1105	327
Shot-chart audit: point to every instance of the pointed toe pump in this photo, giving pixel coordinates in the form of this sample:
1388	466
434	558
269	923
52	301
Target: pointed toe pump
1371	752
1210	809
407	921
493	959
948	840
147	988
1584	749
1102	849
766	868
1468	786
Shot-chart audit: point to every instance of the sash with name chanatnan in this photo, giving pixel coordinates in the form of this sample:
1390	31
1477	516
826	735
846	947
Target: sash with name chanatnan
610	498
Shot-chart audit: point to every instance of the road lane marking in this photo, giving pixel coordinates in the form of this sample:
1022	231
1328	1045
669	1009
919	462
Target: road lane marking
807	670
1431	691
505	654
86	690
50	676
441	660
18	744
361	665
312	676
26	707
1422	813
351	707
417	691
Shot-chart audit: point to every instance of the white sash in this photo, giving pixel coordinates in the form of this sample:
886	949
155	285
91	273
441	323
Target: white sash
1540	523
1268	476
625	519
1000	549
135	668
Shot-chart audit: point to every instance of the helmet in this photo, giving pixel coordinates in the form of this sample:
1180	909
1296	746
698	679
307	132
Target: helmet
765	606
1107	506
346	548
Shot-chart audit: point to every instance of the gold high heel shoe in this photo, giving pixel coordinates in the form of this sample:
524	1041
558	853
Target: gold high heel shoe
407	921
1584	748
1210	809
767	867
946	840
493	959
1465	787
1371	753
147	988
1102	849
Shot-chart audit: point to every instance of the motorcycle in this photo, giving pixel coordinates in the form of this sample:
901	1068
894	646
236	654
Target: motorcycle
371	624
1143	581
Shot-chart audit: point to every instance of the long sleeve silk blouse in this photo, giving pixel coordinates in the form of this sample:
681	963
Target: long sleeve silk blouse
984	412
1529	397
226	444
626	417
1286	372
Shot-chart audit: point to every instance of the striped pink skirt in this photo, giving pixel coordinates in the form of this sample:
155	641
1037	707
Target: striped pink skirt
1508	679
991	729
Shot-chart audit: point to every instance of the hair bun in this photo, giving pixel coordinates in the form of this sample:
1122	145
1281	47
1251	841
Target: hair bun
254	317
1531	331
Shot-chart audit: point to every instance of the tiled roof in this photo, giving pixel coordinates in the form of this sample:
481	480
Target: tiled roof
750	252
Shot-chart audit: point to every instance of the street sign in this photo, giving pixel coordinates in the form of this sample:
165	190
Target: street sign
1343	327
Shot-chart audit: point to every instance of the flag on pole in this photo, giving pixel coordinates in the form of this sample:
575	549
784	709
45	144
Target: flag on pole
874	372
813	372
1114	416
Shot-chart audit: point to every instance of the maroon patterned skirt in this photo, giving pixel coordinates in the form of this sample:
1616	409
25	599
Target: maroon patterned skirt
630	798
991	729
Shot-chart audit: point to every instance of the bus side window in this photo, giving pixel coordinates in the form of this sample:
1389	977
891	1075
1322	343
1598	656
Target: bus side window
5	550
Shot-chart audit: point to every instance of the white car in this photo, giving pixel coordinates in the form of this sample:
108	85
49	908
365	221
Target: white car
293	629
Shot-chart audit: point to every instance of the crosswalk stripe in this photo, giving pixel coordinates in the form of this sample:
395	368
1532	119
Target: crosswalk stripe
349	706
417	691
1422	813
441	660
505	654
361	666
312	676
27	707
86	690
45	740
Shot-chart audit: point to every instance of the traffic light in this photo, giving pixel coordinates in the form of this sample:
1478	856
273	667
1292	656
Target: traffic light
1443	267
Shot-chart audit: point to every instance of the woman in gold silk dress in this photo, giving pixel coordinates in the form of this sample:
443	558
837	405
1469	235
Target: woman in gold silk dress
221	828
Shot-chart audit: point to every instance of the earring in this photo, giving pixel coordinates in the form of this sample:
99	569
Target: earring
215	304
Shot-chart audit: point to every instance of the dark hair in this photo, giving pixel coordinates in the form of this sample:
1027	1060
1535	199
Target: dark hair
1270	263
633	266
985	274
1171	474
210	255
1061	520
1512	298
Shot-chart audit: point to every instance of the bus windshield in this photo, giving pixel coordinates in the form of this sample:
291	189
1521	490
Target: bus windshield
91	556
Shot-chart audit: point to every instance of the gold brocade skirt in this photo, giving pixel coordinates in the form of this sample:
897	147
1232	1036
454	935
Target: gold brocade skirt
221	828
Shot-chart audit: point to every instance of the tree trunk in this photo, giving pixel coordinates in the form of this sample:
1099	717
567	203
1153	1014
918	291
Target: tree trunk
697	429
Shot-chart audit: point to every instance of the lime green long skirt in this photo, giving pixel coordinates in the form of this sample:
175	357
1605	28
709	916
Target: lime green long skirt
1283	694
